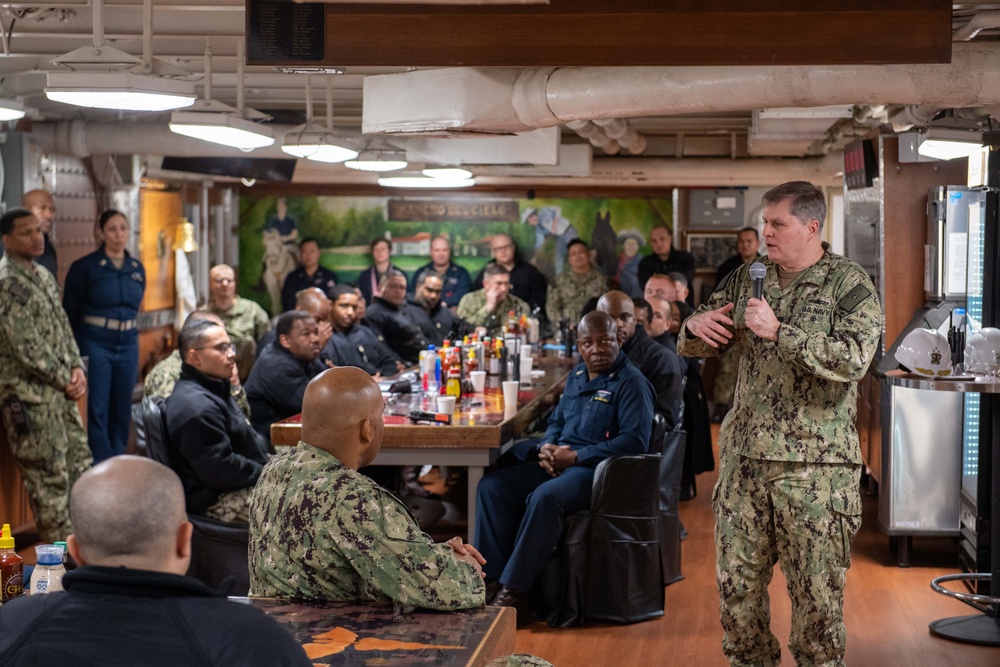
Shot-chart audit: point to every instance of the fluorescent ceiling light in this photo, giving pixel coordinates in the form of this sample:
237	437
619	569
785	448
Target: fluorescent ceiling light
11	109
425	182
316	144
945	144
122	90
447	172
376	160
221	128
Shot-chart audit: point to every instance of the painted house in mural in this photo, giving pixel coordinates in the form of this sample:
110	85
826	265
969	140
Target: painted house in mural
418	244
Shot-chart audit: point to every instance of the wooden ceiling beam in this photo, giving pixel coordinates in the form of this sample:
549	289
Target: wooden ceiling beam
637	33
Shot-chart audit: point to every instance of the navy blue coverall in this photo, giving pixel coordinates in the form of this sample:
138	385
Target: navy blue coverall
102	303
520	510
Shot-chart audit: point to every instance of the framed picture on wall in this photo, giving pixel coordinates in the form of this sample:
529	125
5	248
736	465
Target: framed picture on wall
710	249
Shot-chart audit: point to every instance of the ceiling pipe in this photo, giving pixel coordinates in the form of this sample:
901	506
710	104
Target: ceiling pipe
82	139
986	20
513	100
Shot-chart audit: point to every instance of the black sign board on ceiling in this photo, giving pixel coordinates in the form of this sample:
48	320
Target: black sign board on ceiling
280	31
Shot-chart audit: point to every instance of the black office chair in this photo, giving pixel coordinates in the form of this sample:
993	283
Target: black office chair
607	567
218	550
671	465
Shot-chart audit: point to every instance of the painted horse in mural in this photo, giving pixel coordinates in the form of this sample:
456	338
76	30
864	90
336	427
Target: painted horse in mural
279	261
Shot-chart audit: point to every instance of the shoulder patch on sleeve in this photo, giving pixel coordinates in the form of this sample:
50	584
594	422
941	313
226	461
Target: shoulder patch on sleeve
725	281
853	300
20	292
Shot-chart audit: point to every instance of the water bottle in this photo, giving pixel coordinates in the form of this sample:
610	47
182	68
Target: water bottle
49	570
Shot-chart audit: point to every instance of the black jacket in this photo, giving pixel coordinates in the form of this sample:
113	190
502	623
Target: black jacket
678	260
399	331
438	324
663	369
118	616
360	347
213	448
276	386
299	280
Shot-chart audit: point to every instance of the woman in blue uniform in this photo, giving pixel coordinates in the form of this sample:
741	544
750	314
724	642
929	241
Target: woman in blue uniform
102	297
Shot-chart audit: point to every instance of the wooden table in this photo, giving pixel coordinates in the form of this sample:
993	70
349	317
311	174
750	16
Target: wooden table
481	429
344	633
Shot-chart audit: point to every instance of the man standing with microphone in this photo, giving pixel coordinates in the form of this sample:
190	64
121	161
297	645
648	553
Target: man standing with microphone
790	460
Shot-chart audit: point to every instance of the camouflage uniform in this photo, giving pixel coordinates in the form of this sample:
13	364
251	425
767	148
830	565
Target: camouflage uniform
790	461
472	309
321	531
161	379
725	379
245	323
37	357
570	291
231	507
519	660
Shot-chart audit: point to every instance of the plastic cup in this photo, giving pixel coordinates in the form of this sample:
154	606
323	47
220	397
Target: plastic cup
510	388
446	405
526	369
525	351
478	381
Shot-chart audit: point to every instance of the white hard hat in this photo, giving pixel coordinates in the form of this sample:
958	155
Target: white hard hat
925	351
982	351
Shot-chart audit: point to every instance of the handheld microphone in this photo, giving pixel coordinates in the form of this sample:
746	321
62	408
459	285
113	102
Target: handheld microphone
757	273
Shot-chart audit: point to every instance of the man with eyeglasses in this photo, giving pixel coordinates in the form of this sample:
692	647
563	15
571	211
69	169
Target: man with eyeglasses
244	320
354	344
489	307
213	448
526	282
160	381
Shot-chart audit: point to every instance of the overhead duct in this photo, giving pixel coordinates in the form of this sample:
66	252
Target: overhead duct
693	172
503	100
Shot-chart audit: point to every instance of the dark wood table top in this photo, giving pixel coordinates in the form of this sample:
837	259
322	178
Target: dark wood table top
480	421
345	633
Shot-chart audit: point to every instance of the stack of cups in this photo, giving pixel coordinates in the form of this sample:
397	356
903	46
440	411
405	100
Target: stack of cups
526	362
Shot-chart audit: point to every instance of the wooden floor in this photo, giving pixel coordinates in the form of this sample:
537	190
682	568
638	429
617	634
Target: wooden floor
887	609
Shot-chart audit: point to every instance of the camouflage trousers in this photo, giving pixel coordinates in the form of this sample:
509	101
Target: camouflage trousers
803	516
231	507
51	457
725	379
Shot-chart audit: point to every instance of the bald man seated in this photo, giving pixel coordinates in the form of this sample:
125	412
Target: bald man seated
605	410
657	364
320	530
129	603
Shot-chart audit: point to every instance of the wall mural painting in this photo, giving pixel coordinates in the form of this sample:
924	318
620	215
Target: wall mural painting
272	226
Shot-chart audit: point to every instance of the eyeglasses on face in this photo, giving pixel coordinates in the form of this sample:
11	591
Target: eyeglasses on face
222	348
502	247
224	281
